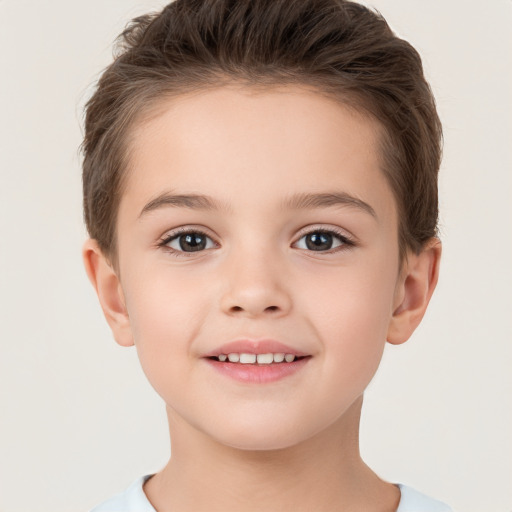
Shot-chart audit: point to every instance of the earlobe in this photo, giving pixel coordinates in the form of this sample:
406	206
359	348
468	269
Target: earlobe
414	290
110	294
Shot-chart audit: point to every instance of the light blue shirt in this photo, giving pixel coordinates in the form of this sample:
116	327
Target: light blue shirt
134	499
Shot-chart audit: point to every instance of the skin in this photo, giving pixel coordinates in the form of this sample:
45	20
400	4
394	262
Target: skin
291	444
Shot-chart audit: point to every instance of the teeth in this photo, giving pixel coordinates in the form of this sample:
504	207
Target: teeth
259	358
265	358
247	358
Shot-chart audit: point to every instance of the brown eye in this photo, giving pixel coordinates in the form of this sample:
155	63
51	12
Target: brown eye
188	241
323	240
319	241
192	242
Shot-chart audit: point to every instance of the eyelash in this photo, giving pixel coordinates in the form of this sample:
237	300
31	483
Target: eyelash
347	243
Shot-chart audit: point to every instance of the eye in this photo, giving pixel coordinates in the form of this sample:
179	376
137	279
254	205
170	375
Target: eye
186	241
323	240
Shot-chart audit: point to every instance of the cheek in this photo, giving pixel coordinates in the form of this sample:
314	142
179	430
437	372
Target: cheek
162	313
162	302
351	312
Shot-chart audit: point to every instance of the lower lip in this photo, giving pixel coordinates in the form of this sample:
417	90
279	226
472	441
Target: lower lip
258	373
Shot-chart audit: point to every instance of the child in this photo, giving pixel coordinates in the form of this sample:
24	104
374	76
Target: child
260	190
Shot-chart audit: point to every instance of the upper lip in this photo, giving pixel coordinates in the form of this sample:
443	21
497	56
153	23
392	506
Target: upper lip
263	346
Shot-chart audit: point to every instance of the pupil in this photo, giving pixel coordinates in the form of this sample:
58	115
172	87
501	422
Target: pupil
192	242
319	241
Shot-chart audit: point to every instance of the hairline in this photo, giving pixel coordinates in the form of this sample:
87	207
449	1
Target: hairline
147	107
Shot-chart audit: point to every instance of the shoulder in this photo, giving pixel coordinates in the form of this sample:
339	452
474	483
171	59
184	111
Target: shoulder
414	501
132	499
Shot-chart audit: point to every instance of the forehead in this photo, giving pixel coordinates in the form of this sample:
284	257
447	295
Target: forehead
239	144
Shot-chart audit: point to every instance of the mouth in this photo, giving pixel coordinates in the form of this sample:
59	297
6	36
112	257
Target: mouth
258	369
257	359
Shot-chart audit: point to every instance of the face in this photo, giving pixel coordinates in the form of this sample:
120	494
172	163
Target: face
296	242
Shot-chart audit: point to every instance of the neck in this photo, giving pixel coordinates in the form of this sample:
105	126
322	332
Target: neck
323	473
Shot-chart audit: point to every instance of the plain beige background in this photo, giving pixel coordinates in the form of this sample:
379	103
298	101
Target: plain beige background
79	422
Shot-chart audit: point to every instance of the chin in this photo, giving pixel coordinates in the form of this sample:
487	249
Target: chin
258	437
260	445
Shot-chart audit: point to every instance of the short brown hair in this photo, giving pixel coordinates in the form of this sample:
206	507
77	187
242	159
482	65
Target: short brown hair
341	48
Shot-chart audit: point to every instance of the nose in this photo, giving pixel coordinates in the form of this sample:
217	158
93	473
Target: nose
255	286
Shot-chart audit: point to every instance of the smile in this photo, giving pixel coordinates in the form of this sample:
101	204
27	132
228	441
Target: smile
245	358
257	368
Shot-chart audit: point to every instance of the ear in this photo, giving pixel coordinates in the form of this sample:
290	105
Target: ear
415	286
110	294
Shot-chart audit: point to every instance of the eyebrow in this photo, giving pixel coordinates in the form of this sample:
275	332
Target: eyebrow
295	202
190	201
326	199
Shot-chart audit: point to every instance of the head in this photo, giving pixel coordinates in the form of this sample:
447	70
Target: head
341	49
257	104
